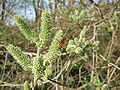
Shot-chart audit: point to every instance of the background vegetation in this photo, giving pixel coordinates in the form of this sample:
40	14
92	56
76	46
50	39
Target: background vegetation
89	52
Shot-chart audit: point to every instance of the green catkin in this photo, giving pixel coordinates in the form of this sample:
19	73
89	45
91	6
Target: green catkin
24	28
37	69
53	50
46	26
52	53
48	70
26	85
21	58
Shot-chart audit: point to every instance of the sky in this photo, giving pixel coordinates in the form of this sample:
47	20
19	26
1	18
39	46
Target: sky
29	13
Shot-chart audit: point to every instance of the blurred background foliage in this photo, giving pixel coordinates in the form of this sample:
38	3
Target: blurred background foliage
100	42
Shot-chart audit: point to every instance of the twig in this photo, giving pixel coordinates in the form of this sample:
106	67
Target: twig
99	11
109	64
83	86
6	57
61	85
104	67
93	63
6	12
11	85
114	66
4	84
113	70
66	66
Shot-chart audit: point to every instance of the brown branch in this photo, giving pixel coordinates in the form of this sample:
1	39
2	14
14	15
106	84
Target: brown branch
110	64
4	84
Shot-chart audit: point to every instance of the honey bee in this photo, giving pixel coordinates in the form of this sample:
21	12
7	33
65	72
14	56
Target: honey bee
61	43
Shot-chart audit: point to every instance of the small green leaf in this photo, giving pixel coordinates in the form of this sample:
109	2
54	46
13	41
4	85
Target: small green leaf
96	43
78	50
95	80
104	87
76	41
82	33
